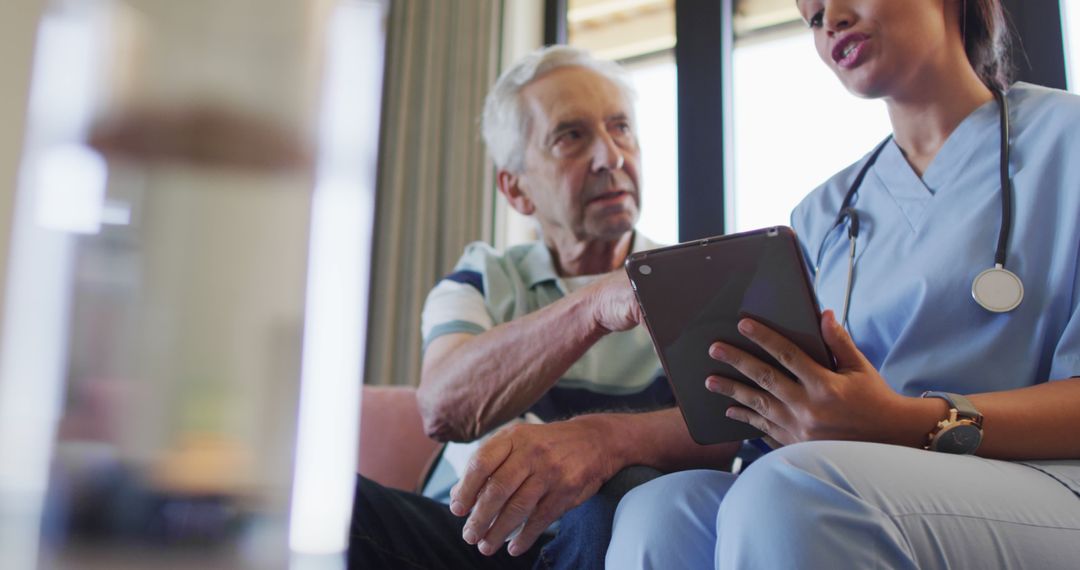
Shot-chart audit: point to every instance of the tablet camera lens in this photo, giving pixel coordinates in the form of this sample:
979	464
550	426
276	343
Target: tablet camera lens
645	269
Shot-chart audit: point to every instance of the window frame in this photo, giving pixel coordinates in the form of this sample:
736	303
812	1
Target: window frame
703	56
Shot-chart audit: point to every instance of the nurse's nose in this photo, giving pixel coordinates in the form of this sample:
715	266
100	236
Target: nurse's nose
837	19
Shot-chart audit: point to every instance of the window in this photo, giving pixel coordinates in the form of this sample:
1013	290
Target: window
657	122
339	266
1070	19
812	136
640	34
794	126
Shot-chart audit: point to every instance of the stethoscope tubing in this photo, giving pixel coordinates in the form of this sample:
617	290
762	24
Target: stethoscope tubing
847	211
1006	182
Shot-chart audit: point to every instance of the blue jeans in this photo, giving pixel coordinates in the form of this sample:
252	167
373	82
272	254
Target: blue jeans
396	529
584	532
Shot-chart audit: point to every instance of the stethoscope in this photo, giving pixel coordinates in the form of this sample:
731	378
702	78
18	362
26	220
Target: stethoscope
996	289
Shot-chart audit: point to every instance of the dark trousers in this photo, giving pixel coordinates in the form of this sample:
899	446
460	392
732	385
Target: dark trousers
394	529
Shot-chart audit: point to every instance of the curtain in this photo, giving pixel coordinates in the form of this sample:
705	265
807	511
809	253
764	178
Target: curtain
435	183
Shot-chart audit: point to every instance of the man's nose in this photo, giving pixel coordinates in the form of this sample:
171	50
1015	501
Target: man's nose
606	154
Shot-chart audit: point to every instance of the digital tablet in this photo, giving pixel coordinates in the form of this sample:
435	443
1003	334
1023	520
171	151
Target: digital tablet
695	293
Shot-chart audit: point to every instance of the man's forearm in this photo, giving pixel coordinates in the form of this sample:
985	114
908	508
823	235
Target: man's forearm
477	383
660	440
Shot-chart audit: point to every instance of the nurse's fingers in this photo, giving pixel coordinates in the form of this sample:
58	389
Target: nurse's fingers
848	356
760	401
765	376
774	433
787	353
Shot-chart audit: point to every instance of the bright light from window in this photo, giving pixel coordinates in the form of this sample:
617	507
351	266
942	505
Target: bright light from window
71	188
336	311
655	83
58	177
795	126
1070	19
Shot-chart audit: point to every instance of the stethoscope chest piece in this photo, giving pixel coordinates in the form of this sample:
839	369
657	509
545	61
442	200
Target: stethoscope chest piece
997	290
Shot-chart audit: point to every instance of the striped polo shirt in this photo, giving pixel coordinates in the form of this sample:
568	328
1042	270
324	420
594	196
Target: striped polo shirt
486	288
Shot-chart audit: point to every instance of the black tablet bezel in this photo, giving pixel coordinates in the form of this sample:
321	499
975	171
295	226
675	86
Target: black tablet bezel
658	292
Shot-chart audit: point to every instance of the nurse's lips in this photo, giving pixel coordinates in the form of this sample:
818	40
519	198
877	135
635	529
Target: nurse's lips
847	53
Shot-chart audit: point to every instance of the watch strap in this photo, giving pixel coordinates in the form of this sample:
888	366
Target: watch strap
964	407
961	431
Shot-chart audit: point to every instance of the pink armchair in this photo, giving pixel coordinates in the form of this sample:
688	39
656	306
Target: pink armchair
394	451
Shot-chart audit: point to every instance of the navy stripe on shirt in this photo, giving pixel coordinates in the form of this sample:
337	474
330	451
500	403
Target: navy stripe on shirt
467	277
563	403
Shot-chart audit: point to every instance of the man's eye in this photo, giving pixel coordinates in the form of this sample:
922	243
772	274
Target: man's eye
568	137
817	19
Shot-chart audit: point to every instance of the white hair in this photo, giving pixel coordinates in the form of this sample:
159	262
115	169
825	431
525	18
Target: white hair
506	123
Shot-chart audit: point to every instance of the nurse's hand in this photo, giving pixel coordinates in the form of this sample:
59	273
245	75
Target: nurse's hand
853	403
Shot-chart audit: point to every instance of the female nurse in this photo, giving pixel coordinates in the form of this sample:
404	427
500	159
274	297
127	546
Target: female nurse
949	436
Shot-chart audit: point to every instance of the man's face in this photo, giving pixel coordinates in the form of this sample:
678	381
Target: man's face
581	157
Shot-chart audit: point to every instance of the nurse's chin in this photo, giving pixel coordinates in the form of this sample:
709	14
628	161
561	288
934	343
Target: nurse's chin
867	93
864	87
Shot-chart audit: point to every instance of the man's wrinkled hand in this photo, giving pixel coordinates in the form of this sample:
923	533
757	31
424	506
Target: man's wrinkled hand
615	307
526	476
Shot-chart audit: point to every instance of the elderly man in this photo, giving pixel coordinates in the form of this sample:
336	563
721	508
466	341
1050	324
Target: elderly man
537	335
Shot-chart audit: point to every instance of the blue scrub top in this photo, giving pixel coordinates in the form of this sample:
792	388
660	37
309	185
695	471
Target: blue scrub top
923	240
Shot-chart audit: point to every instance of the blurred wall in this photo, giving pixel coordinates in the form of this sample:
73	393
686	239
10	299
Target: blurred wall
222	249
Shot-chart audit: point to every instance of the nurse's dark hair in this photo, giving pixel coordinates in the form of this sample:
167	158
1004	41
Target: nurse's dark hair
987	41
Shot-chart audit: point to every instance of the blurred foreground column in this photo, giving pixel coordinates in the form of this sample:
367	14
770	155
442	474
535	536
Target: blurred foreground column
150	379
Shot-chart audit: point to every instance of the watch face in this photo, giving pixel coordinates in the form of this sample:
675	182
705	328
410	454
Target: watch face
959	438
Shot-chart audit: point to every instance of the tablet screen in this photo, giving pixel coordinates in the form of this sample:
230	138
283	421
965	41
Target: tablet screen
694	294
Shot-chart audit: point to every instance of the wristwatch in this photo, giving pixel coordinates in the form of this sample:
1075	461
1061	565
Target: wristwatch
960	432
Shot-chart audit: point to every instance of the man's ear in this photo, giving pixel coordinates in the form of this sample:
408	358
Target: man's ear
510	186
